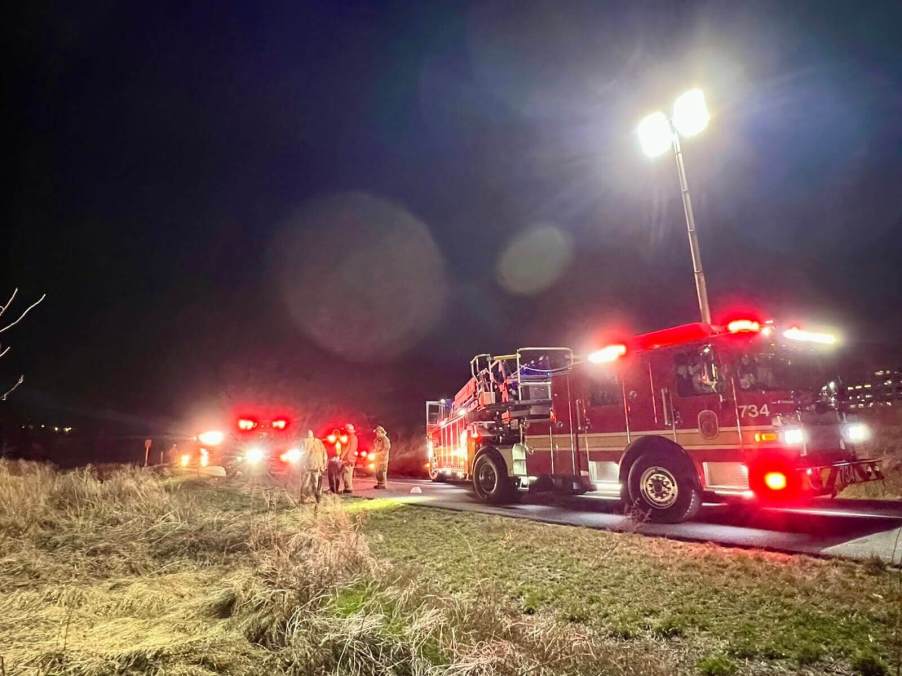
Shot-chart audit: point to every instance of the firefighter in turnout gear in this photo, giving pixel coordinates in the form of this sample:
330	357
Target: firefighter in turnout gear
316	461
348	460
381	448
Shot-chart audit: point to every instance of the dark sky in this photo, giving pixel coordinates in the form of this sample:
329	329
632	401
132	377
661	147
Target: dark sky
347	200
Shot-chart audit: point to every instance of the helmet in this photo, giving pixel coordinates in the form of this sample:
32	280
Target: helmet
349	427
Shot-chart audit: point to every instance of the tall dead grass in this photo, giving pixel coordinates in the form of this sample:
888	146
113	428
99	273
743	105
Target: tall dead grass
132	573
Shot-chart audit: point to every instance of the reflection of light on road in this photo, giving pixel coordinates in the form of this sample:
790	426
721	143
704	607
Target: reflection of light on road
835	513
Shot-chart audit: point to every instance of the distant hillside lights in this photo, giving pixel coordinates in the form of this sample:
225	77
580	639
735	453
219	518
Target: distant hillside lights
882	389
57	429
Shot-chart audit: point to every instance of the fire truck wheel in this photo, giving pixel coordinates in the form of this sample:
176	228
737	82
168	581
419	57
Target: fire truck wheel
490	480
662	488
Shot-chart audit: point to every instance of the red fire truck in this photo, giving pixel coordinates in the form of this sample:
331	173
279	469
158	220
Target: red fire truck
262	440
661	421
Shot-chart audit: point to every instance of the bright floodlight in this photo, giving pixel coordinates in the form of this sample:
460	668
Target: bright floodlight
690	114
655	134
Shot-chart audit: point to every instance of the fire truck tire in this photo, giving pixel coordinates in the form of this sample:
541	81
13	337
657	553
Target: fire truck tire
490	480
663	488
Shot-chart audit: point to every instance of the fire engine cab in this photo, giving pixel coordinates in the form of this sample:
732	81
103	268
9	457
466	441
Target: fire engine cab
662	421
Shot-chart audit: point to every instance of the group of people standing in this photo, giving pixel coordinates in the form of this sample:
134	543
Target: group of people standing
339	468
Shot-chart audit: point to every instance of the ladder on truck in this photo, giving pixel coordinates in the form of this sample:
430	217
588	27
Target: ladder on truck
503	395
518	385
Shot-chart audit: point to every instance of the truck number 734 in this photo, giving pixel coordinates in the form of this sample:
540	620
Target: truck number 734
753	411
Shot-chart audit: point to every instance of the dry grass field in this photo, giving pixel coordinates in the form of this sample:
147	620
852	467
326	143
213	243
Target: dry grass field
132	572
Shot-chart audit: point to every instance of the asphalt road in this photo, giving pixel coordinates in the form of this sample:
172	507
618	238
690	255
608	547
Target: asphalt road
856	529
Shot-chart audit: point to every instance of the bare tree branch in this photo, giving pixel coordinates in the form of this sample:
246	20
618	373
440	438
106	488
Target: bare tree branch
6	349
22	316
13	388
9	302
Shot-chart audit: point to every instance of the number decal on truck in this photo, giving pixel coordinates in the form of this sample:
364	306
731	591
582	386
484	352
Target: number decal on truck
753	411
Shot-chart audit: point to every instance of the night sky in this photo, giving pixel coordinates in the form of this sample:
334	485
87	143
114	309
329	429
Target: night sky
342	202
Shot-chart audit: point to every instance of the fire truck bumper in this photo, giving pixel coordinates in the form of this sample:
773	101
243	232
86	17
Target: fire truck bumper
831	479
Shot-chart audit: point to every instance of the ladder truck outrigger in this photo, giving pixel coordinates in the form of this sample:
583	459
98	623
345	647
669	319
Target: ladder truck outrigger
661	421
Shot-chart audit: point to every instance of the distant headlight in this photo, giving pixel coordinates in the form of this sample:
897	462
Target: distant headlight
793	437
184	460
254	455
292	455
211	437
856	433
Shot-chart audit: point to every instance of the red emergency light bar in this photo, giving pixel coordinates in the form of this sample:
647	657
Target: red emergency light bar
677	335
744	326
247	424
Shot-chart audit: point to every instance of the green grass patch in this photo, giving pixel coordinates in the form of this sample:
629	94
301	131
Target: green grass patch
769	608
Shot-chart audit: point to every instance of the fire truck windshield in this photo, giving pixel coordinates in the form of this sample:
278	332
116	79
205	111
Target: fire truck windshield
773	370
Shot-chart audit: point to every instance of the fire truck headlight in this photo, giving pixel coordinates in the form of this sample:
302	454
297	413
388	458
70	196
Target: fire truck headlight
856	433
793	437
211	437
184	460
254	455
292	455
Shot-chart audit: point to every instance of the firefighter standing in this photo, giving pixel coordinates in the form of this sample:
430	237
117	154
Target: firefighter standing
381	448
173	455
349	459
316	460
334	470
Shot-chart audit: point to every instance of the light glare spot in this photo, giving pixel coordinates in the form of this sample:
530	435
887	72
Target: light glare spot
534	260
360	276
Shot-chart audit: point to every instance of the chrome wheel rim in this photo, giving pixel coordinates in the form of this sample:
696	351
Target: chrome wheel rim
659	487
